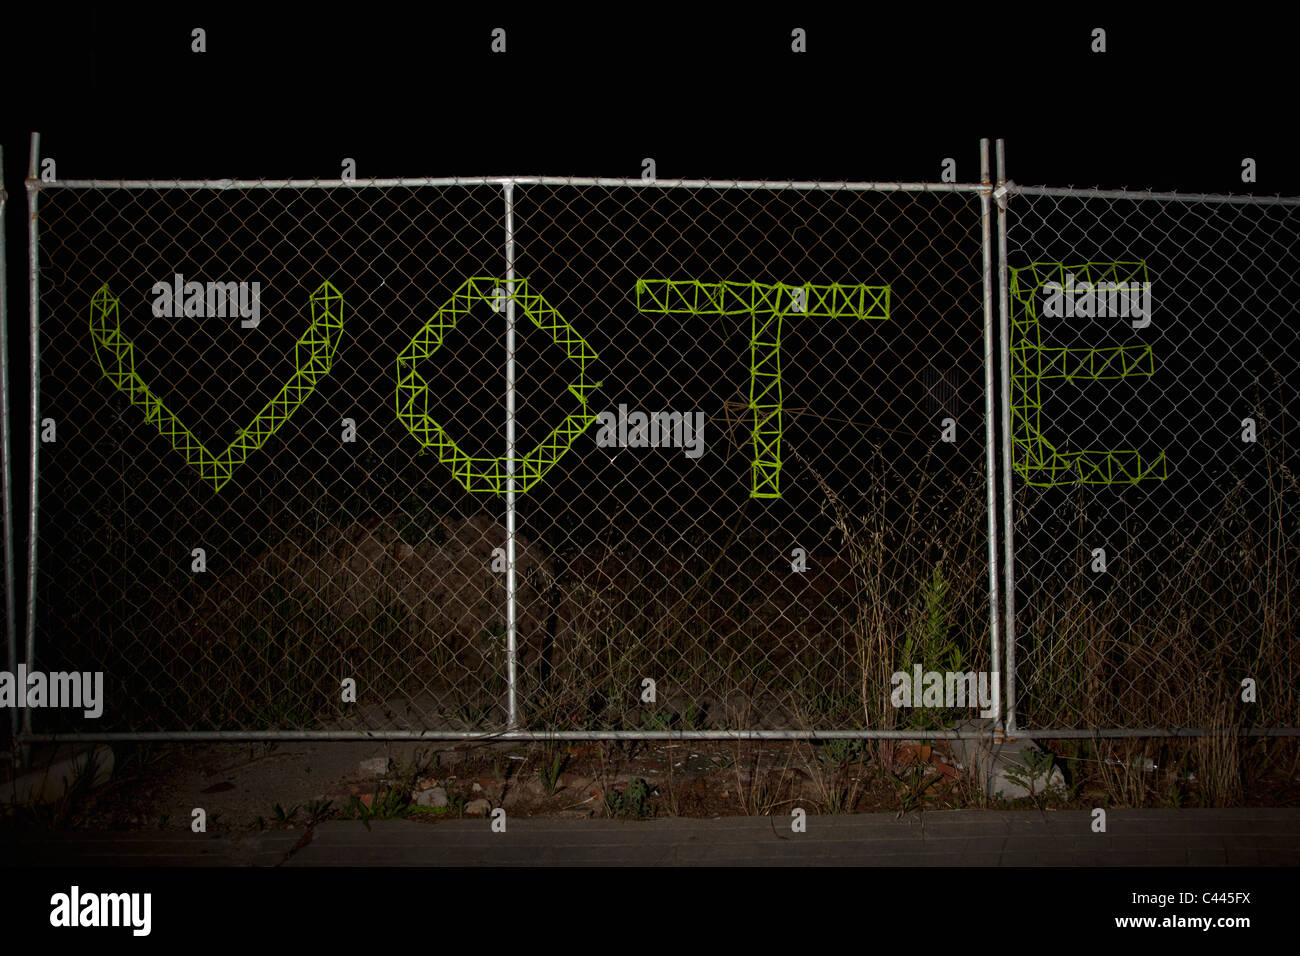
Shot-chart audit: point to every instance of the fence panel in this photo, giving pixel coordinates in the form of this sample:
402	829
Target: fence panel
1153	353
794	515
332	546
749	453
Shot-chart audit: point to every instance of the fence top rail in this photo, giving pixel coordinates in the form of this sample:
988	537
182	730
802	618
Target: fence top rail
338	183
1142	194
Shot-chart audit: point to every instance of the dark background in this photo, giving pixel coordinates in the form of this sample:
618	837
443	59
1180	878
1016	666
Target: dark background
416	91
878	96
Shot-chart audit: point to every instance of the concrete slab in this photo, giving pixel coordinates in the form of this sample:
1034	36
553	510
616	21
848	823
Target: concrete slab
954	838
1006	767
56	775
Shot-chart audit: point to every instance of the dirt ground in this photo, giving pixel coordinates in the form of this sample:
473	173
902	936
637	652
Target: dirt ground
297	784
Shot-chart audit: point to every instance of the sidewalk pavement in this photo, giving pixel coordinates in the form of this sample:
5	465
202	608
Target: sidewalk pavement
1235	837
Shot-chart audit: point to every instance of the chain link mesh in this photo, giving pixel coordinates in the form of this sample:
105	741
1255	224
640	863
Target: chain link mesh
784	529
1155	508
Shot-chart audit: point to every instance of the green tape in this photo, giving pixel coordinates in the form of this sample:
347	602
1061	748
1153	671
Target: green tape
488	475
313	357
766	305
1035	459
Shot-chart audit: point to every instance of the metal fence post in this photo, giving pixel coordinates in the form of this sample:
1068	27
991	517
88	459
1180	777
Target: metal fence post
508	192
33	266
991	495
1008	541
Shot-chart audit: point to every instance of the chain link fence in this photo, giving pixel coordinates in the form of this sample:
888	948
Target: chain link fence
578	456
636	458
1152	359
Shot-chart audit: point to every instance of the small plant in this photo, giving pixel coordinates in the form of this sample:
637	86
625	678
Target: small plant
840	791
456	803
1035	765
929	644
761	796
915	782
282	815
550	770
840	752
1038	763
691	716
633	803
388	803
837	800
318	810
652	720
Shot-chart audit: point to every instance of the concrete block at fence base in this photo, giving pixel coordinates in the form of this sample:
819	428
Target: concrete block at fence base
437	797
1009	768
57	779
377	766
